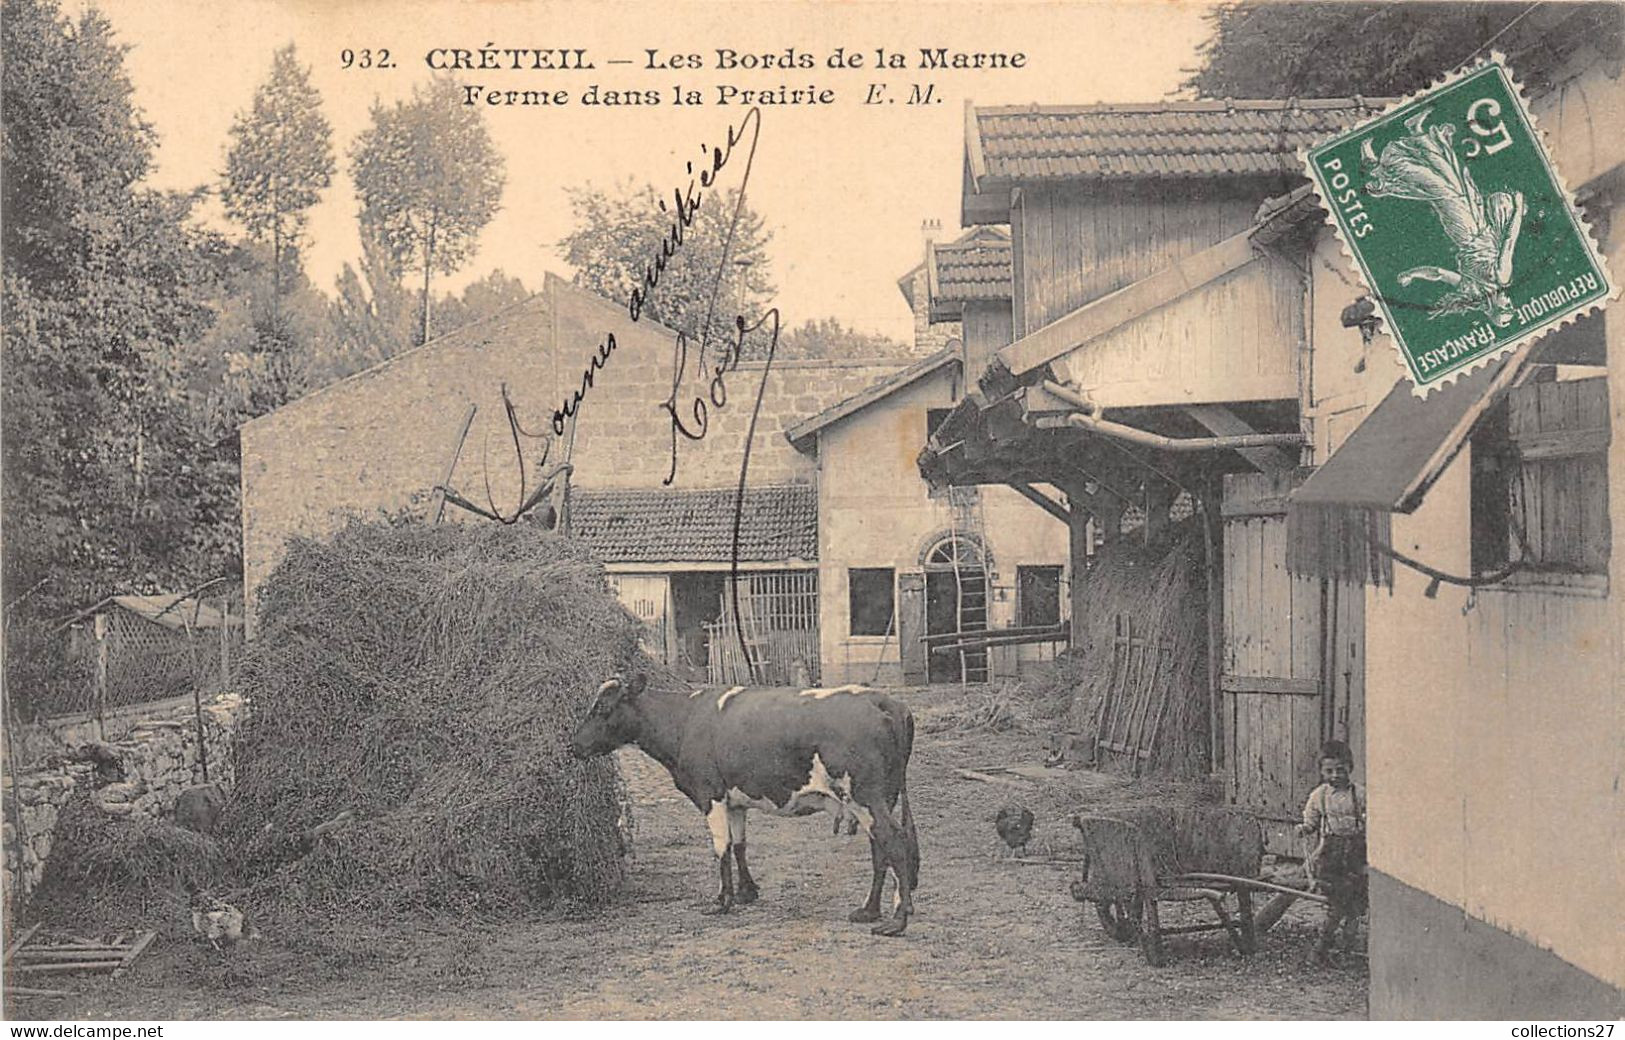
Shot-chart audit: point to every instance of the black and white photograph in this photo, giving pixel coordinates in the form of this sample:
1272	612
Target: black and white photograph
823	511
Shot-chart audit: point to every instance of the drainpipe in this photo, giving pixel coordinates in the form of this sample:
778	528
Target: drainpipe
1088	419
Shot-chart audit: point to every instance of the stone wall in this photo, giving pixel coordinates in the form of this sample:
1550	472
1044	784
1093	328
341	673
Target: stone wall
158	758
373	441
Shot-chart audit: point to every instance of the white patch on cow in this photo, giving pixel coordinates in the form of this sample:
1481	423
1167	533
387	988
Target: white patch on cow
821	792
865	818
723	700
820	692
717	821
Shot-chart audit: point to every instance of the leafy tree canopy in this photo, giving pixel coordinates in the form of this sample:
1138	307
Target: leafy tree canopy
103	281
617	240
429	179
828	338
1262	49
280	159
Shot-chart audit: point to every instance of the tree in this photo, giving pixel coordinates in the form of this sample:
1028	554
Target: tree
828	338
429	179
618	237
495	292
279	163
1262	49
103	281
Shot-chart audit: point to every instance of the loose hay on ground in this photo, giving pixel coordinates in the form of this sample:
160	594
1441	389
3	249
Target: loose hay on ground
427	679
114	873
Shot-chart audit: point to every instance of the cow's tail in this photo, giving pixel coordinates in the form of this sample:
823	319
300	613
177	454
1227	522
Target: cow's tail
907	821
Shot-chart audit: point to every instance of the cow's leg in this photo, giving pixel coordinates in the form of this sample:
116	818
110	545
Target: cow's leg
895	845
870	910
736	835
717	820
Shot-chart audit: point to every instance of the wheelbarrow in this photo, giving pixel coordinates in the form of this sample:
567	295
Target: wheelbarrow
1137	859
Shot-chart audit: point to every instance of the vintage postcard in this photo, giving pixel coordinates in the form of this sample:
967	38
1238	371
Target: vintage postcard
890	511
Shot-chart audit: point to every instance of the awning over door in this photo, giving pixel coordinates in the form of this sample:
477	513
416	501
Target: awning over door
1338	521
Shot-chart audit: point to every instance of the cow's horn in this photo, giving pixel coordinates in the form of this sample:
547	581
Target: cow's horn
613	680
1368	153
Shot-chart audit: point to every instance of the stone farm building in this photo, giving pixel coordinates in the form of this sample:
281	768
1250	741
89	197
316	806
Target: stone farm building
382	439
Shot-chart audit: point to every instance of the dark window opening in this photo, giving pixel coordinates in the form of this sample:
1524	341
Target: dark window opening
869	597
934	418
1038	596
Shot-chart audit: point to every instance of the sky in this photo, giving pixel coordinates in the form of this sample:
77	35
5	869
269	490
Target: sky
844	187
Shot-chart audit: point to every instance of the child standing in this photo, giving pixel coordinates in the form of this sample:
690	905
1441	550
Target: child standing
1334	817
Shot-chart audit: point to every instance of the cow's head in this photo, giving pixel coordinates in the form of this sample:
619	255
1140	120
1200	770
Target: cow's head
612	719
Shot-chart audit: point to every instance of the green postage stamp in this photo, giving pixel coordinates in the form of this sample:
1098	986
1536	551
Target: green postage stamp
1459	223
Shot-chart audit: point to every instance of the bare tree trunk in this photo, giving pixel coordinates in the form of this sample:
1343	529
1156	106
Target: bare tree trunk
427	257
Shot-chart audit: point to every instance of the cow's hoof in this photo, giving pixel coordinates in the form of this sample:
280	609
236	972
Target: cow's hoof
864	914
894	926
713	909
747	895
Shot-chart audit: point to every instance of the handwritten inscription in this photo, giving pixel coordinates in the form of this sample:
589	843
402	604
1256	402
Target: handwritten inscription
687	201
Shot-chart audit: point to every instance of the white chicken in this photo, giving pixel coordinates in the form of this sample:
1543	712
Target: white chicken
219	922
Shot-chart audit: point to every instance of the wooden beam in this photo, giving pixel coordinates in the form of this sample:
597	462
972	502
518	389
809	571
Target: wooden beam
1268	684
1222	422
1042	501
439	509
1100	316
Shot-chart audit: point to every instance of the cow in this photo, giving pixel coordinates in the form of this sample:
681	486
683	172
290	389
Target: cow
784	750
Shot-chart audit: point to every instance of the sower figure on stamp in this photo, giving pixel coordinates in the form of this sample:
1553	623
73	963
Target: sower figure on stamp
1484	228
1334	819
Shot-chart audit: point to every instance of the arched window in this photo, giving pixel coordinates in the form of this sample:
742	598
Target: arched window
959	552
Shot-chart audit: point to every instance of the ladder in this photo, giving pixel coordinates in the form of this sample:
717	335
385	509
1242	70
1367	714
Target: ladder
965	528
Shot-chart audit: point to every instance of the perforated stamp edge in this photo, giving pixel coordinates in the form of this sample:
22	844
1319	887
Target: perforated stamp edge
1587	236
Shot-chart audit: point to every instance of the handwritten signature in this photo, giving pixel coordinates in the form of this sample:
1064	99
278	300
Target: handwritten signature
716	395
687	201
698	410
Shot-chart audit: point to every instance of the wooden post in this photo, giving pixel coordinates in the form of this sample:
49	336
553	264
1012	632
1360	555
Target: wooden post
451	463
1212	552
569	478
1159	495
100	629
225	643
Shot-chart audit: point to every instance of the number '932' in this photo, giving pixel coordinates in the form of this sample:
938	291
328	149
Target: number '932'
365	59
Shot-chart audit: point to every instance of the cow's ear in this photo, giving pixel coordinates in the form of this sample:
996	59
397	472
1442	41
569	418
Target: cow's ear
636	683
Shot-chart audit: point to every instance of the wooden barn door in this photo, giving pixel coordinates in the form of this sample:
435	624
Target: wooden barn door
1293	661
911	627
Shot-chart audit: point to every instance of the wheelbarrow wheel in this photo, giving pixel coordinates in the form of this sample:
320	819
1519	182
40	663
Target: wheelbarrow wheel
1151	934
1117	918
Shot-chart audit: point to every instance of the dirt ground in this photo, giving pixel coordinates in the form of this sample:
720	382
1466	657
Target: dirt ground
991	938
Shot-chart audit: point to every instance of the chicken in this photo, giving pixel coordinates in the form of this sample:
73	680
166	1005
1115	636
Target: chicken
218	921
1015	826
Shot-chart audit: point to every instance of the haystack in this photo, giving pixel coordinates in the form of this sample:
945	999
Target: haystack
426	680
110	873
1162	592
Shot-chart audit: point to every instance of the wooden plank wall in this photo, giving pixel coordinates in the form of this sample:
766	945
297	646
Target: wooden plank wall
1075	245
1560	496
986	328
1292	673
1234	339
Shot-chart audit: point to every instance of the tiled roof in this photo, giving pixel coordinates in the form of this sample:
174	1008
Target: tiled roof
1172	139
802	434
973	268
638	525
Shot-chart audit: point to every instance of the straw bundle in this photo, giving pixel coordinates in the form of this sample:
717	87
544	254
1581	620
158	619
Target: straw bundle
427	680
